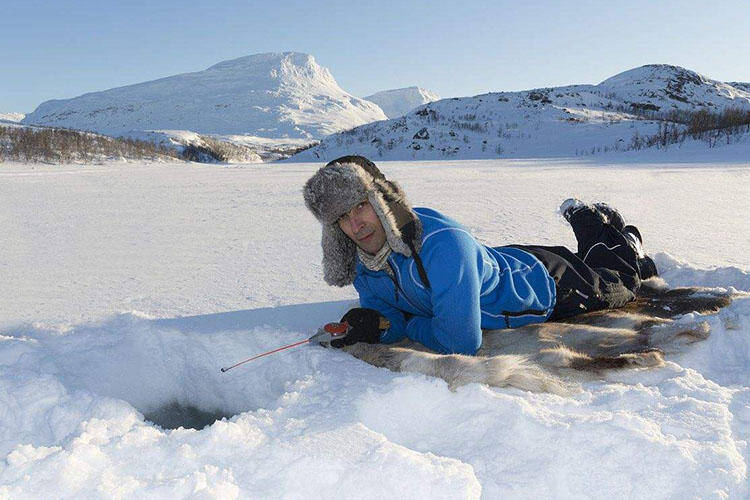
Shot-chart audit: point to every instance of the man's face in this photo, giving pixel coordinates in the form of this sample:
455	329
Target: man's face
362	225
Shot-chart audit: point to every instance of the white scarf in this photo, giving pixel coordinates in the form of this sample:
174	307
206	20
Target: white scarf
377	262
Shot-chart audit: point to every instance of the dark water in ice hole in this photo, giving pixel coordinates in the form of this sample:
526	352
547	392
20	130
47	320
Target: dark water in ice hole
174	415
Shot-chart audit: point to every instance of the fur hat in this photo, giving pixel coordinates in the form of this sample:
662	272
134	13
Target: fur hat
337	188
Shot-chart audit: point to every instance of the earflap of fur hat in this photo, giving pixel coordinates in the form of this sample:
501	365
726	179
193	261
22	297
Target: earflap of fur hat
388	220
404	218
339	256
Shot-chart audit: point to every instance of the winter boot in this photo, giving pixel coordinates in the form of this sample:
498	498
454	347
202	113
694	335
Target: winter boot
601	228
635	240
571	206
588	224
606	213
612	215
646	265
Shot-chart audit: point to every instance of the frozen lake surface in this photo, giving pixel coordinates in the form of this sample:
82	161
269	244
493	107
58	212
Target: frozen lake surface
126	286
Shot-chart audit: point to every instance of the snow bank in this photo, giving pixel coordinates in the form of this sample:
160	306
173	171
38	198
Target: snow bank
317	420
679	273
725	358
73	403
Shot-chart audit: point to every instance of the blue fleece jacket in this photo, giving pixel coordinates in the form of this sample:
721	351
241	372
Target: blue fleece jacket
472	287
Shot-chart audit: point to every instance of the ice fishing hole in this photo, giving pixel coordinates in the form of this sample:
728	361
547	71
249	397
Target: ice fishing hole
174	415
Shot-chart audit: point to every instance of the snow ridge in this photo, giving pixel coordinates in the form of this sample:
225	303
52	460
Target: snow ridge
267	95
545	122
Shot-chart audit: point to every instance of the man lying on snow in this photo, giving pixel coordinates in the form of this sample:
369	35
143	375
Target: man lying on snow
438	286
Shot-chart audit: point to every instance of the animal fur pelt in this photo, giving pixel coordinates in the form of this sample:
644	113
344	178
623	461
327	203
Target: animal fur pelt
541	357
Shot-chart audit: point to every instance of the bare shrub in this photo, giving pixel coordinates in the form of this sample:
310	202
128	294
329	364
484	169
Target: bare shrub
55	145
211	150
479	128
676	126
431	115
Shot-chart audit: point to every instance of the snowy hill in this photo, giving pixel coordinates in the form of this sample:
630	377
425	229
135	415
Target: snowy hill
663	87
267	95
546	122
398	102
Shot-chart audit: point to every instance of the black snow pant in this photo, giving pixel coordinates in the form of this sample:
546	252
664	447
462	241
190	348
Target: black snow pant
604	273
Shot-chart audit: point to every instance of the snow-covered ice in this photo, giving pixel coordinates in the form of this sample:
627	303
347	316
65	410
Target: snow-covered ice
126	286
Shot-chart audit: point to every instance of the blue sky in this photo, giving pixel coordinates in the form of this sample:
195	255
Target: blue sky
65	48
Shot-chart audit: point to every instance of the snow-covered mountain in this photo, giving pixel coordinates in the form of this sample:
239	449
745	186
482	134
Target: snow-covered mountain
546	122
266	95
398	102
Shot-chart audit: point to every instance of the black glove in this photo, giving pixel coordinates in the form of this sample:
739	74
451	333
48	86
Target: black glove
364	327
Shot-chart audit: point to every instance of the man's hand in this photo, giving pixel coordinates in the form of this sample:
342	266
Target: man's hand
365	326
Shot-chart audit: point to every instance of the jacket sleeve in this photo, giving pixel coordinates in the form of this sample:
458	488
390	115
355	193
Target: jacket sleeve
397	330
451	263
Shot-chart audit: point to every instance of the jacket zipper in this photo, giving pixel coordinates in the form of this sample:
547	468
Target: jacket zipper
528	312
398	286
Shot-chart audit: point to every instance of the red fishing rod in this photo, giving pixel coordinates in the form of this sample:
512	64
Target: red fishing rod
324	335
